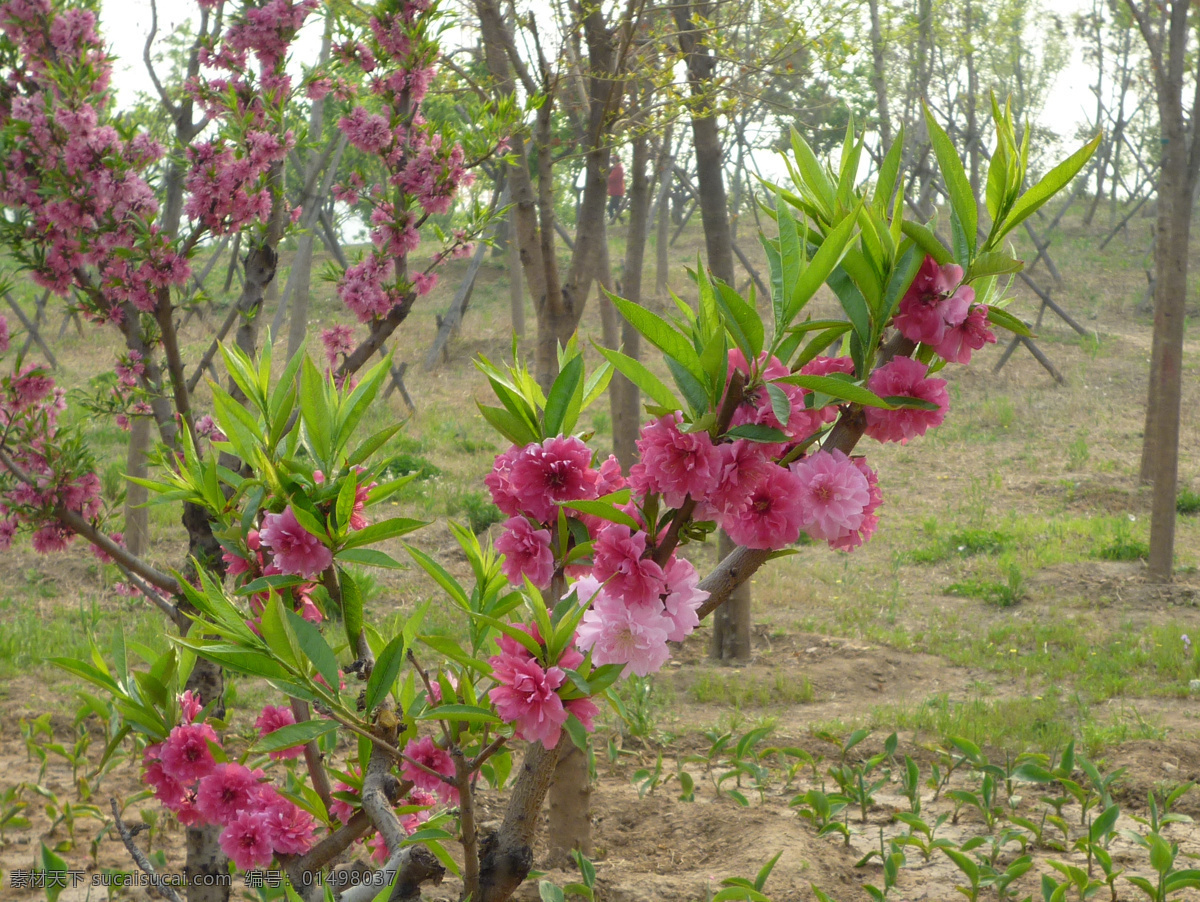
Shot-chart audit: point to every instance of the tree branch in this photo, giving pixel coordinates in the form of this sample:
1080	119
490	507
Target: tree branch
157	885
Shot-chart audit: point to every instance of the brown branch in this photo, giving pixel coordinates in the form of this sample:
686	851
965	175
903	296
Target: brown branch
157	885
312	757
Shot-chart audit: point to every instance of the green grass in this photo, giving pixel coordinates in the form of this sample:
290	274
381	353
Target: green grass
1188	502
741	690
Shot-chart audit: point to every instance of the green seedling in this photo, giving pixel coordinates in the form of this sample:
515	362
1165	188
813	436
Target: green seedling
984	801
921	835
1160	813
1162	859
1003	880
822	810
793	760
1101	856
739	888
910	784
1077	879
892	857
1099	833
970	870
843	747
648	779
1037	831
994	844
12	808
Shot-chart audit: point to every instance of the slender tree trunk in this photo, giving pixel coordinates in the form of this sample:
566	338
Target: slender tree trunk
137	529
718	242
625	397
516	284
877	77
662	239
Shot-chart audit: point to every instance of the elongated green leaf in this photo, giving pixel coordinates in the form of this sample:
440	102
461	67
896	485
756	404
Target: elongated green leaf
369	557
314	647
742	321
466	713
636	373
385	529
962	199
509	425
314	411
838	388
775	266
820	266
1052	182
659	333
383	675
927	241
1005	320
756	433
293	735
568	383
812	175
889	174
352	607
604	511
853	302
440	575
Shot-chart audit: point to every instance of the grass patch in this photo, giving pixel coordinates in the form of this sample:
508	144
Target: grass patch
1001	594
964	543
477	506
407	462
1188	502
746	691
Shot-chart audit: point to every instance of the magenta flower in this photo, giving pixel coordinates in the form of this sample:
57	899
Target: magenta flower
905	377
934	302
425	751
226	791
635	636
770	514
585	712
557	470
247	840
618	562
273	718
969	335
296	550
835	494
167	790
190	706
185	754
526	553
3	335
674	464
526	698
289	827
499	482
742	464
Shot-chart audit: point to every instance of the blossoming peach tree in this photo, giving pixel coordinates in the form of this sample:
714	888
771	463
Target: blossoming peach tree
387	734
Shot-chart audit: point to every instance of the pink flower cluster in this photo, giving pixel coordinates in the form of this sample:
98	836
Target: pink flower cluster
939	311
528	696
258	822
80	184
425	172
50	472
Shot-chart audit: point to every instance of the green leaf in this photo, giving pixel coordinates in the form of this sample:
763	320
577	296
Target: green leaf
823	262
992	263
1005	320
659	333
440	575
962	199
385	529
604	510
315	411
813	175
781	404
562	397
927	241
742	321
369	557
383	675
1052	182
636	373
757	433
466	713
509	425
352	608
345	501
315	648
293	735
838	388
889	173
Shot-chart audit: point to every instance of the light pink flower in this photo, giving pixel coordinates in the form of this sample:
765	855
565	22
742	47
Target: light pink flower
905	377
770	514
585	711
247	840
296	550
426	752
870	519
742	464
619	563
526	698
185	754
499	482
635	636
834	492
526	553
683	598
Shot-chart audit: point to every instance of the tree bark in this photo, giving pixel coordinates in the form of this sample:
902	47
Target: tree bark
877	78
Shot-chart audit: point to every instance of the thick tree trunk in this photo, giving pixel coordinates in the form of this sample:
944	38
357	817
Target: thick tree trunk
718	242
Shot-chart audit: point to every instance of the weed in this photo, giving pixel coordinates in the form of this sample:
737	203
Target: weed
748	691
1078	454
1002	594
1124	547
408	462
481	512
1188	502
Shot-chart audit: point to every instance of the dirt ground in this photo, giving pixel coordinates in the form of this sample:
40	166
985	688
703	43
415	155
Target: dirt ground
657	846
